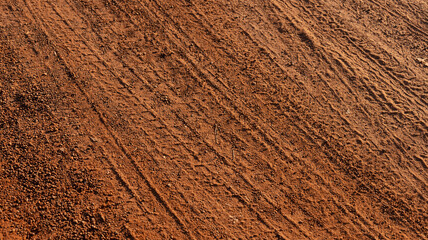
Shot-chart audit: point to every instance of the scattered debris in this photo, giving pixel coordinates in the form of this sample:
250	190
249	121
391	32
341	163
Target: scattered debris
165	99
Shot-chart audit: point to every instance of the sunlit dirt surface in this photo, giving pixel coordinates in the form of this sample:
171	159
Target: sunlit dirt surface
213	119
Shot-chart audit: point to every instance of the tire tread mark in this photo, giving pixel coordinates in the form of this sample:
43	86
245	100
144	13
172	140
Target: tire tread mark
148	181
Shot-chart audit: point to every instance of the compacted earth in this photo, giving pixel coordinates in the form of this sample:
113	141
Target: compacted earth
213	119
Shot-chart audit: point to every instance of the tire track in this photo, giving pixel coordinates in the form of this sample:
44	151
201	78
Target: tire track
415	175
343	82
234	194
362	51
374	57
209	76
404	115
118	143
128	89
157	118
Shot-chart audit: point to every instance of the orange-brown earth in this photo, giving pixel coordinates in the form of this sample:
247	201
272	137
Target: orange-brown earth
203	119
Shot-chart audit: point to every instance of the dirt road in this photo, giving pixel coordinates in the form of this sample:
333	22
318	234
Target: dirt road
196	119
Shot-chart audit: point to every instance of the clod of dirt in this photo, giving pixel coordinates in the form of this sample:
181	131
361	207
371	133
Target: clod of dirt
420	60
94	139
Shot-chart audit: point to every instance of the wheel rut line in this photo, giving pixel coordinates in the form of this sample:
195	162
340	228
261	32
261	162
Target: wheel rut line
354	94
336	202
134	95
362	51
338	111
115	139
349	207
304	89
400	144
412	26
350	210
228	163
217	153
223	107
395	139
69	72
205	23
112	163
369	56
224	86
236	193
235	108
154	114
193	154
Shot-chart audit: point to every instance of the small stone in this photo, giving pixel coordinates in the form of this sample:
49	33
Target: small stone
101	217
420	60
165	99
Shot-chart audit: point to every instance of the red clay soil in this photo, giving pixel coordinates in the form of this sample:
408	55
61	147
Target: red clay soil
213	119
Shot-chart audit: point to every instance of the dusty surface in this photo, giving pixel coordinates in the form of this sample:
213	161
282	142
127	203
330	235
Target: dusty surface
161	119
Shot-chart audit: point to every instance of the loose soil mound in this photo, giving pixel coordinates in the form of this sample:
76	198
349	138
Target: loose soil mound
159	119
